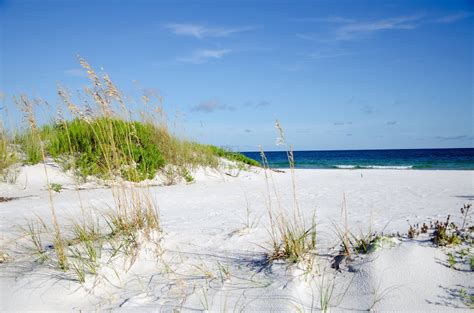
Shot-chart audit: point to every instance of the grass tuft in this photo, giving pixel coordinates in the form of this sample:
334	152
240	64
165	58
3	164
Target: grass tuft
292	238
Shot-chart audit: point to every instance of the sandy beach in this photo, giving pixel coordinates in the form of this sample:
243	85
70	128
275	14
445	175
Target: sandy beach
216	235
236	156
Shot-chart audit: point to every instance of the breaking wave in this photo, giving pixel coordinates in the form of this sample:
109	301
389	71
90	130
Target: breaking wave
395	167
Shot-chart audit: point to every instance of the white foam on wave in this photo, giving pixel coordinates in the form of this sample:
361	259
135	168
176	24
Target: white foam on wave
401	167
345	166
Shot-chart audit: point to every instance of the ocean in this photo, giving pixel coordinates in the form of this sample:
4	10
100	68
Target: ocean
418	159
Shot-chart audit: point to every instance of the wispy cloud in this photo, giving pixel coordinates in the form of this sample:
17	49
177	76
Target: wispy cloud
451	18
201	31
204	55
341	28
210	106
76	72
360	29
458	137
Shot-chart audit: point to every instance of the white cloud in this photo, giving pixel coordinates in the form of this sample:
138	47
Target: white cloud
203	55
354	30
341	28
201	31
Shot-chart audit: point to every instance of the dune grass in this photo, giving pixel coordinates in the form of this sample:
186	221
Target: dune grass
293	238
8	154
96	134
106	146
101	137
131	149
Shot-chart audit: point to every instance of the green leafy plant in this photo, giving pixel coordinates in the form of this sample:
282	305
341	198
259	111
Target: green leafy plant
234	156
445	233
451	260
56	187
108	145
8	155
187	176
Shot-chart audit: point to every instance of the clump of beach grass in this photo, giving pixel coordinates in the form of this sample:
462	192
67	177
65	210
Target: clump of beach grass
351	243
58	243
120	149
96	134
292	238
8	154
106	140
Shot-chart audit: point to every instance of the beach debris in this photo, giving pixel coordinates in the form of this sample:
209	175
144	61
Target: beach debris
6	199
338	259
4	257
276	170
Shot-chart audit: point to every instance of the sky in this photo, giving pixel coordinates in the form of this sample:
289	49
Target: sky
336	74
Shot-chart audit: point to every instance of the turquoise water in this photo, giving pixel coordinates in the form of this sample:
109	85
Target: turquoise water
438	159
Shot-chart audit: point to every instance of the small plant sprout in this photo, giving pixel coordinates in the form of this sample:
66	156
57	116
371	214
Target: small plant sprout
249	221
187	176
445	233
56	187
35	232
451	260
224	272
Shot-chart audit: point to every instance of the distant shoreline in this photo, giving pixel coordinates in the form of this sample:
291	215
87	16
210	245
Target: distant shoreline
403	159
358	150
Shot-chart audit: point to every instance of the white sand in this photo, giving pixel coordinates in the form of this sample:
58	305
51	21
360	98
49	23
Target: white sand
204	227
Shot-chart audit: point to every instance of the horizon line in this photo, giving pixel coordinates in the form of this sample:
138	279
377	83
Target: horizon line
334	150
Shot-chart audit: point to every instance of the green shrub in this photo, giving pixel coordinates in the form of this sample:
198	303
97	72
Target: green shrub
7	154
105	147
187	176
56	187
30	147
234	156
446	233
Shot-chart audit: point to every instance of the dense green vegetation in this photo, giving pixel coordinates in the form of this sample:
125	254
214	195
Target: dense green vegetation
105	147
233	156
7	155
102	139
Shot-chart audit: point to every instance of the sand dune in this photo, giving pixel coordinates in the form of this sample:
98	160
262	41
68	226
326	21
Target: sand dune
210	260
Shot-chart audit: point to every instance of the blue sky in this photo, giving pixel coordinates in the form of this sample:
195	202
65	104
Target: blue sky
337	74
